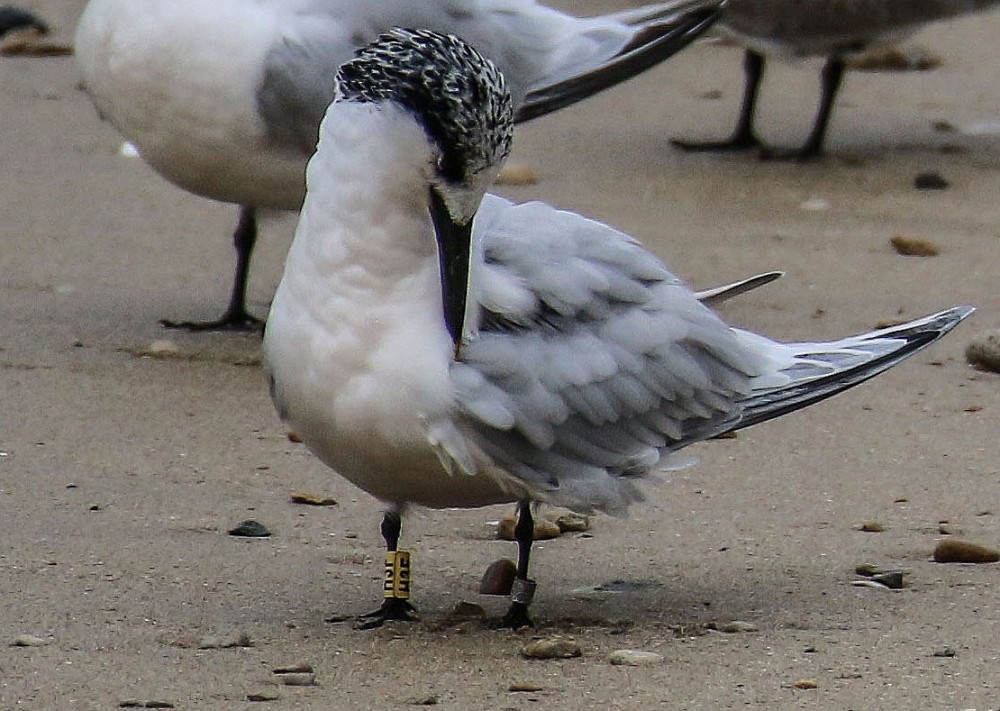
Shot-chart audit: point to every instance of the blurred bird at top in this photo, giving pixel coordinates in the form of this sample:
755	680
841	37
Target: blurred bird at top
834	29
224	99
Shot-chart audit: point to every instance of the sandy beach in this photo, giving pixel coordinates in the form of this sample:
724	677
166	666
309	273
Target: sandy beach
122	467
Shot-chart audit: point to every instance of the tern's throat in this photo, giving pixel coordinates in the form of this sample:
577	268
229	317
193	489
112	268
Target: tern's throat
364	261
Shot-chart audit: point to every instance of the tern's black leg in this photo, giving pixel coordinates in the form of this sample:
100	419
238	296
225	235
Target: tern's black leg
743	138
524	587
236	317
833	74
393	608
830	79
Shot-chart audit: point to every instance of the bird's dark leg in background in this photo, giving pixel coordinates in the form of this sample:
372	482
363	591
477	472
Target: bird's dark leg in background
236	317
396	605
743	138
831	77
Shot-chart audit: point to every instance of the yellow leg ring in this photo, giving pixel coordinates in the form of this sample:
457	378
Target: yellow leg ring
397	575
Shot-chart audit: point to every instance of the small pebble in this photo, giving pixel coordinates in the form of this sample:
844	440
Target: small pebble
211	641
128	150
294	669
517	174
866	569
429	700
946	652
872	527
28	640
734	627
572	523
544	529
913	246
464	610
250	529
869	584
265	695
31	42
557	647
943	126
954	551
524	686
815	204
498	578
806	684
162	348
983	351
304	679
303	497
930	181
634	658
892	579
898	59
294	437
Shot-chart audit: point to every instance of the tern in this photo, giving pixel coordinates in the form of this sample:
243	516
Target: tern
443	347
224	99
833	29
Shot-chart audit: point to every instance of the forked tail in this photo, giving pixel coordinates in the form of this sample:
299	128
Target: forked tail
818	370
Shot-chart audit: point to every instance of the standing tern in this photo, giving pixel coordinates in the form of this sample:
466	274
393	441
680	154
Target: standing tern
530	356
224	99
834	29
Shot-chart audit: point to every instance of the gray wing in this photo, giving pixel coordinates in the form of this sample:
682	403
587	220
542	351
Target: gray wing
536	48
591	360
319	35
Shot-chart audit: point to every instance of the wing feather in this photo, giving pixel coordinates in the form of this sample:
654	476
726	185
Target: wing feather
590	360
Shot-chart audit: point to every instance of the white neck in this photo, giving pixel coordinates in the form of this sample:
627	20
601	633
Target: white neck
367	187
363	267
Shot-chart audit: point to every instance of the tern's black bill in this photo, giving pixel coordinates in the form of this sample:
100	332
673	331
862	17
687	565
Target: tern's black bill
454	246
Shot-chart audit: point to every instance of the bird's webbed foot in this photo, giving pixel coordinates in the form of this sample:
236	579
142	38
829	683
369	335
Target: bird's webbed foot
393	608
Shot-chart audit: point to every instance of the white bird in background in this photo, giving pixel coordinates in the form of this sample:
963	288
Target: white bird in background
834	29
531	356
224	99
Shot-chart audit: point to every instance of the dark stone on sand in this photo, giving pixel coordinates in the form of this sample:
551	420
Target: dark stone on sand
930	181
498	578
250	529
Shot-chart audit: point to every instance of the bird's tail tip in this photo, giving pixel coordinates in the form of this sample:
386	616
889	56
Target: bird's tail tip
821	370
